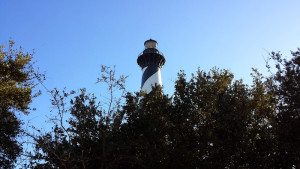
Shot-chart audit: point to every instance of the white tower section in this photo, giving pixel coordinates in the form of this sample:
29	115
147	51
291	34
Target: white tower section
151	61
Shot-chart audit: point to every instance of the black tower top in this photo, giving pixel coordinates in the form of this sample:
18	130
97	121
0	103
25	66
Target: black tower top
151	56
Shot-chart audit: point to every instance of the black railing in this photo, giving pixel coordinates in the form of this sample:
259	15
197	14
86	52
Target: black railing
151	50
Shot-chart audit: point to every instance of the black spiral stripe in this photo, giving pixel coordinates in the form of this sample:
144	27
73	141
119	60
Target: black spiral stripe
149	71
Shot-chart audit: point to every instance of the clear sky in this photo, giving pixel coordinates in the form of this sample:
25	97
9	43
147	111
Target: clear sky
71	39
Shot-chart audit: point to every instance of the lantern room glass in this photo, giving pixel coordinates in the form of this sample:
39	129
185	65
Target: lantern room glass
150	44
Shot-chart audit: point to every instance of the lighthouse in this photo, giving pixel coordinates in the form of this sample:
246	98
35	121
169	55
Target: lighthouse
151	62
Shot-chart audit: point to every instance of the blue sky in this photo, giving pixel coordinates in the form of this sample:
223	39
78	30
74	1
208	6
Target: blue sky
71	39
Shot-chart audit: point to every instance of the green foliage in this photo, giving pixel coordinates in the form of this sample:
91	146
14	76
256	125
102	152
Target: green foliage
211	121
287	88
16	92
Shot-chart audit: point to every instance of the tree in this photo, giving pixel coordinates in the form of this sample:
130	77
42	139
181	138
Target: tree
219	121
16	93
91	137
287	88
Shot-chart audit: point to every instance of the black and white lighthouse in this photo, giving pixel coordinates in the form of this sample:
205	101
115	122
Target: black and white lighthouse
151	62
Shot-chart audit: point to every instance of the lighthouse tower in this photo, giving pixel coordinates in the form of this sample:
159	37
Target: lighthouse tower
151	61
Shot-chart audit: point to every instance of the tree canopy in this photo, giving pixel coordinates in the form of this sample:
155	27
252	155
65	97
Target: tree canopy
211	121
16	92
